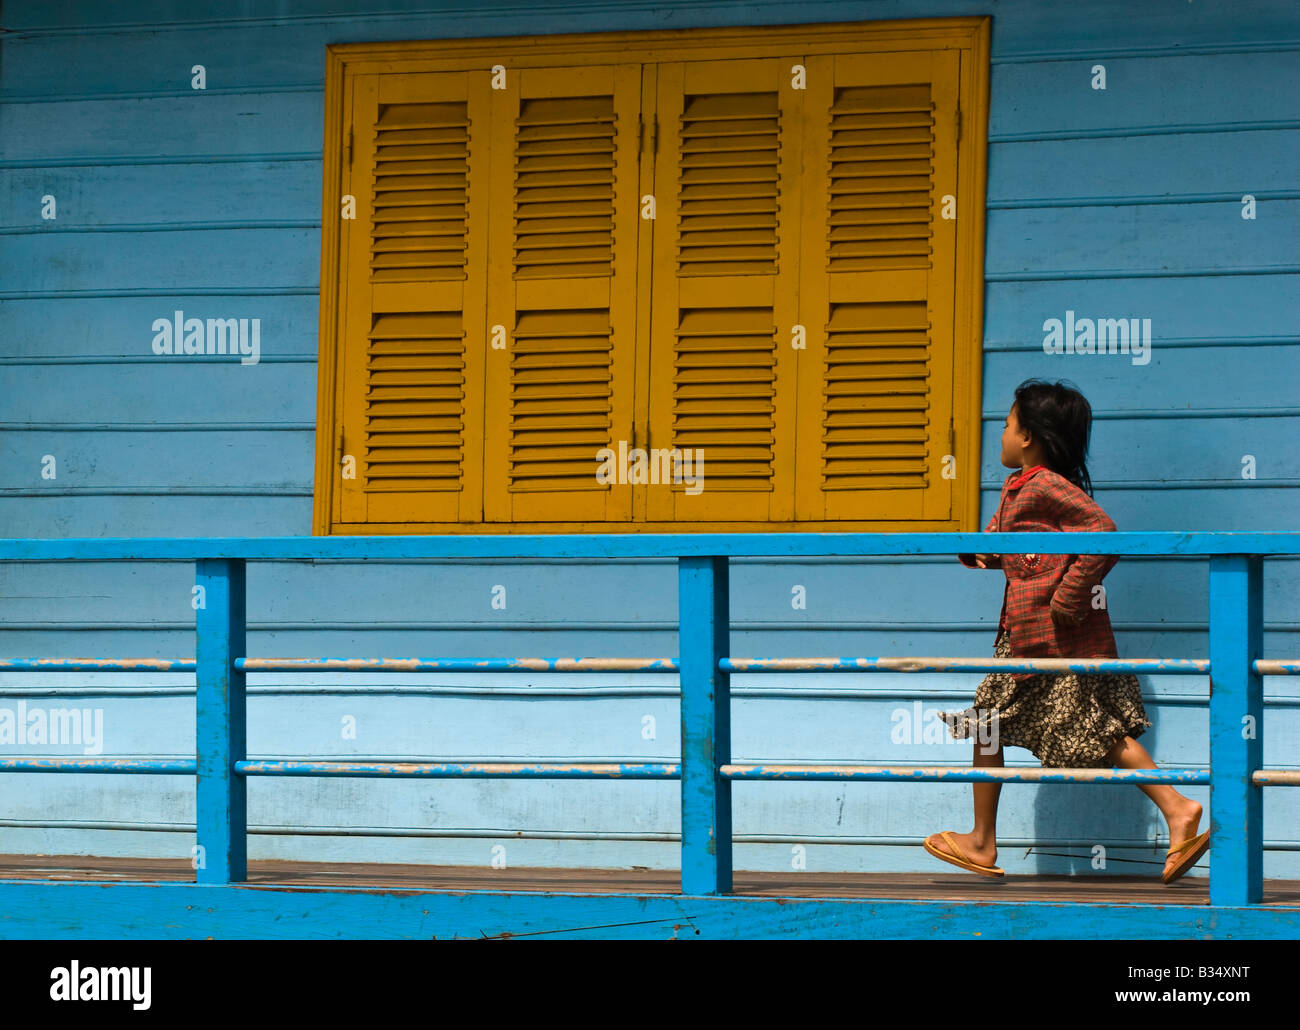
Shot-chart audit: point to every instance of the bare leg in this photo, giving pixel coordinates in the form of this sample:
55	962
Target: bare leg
980	845
1181	813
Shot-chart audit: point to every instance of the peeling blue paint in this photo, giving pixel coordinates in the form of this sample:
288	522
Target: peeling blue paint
180	766
1092	665
458	664
547	770
918	774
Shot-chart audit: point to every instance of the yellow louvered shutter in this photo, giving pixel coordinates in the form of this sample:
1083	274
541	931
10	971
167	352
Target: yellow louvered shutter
412	299
562	287
722	371
733	246
877	271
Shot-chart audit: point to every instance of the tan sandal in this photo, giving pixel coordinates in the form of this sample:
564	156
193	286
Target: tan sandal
958	857
1194	847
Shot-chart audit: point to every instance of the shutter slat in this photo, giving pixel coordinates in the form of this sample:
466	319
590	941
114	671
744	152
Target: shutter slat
421	171
882	147
728	169
561	398
415	383
875	433
724	389
564	187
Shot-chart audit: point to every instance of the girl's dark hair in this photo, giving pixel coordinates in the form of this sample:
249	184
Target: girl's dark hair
1060	418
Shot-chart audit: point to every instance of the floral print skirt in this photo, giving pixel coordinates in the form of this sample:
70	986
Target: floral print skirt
1068	720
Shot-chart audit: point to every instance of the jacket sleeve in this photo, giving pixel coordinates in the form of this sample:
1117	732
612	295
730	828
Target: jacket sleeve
995	560
1075	512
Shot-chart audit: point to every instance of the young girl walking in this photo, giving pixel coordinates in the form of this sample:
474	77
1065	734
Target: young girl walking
1067	720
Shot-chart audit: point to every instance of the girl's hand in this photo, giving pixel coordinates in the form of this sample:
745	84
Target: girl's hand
1063	618
984	560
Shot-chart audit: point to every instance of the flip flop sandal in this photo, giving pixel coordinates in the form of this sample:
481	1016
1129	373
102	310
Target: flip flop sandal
1194	847
958	857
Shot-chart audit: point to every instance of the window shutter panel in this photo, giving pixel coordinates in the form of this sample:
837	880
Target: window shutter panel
877	286
722	370
562	289
413	272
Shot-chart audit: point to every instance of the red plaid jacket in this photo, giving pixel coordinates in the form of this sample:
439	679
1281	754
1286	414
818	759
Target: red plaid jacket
1047	603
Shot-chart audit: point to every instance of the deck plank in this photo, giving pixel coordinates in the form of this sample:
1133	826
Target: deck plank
956	886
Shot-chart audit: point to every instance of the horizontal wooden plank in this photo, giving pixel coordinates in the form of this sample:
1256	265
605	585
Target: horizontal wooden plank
288	511
1159	238
131	195
1265	377
1054	97
175	260
1164	460
265	125
1160	169
122	326
126	461
110	392
1210	308
1109	889
1022	25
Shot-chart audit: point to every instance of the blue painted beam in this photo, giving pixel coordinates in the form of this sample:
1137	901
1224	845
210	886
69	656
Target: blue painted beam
1142	665
959	774
472	770
703	636
97	665
220	715
1146	666
457	664
634	771
1275	667
181	766
1236	730
183	911
643	545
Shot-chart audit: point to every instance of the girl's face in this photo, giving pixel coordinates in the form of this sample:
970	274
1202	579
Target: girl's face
1014	442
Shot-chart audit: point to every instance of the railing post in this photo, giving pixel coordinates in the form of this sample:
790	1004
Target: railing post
1236	730
220	721
703	635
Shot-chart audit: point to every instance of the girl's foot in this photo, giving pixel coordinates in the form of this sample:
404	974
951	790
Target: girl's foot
1183	826
985	855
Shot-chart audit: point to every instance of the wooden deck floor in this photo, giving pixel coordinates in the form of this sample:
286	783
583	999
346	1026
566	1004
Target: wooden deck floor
955	886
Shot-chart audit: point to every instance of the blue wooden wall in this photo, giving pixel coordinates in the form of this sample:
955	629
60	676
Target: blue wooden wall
1125	202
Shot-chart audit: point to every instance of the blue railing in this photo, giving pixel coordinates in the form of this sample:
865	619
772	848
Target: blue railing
705	664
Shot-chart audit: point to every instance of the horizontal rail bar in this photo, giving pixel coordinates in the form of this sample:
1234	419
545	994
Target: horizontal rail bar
647	770
459	664
97	665
179	766
645	545
933	695
960	774
539	770
1276	777
1086	665
1263	666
